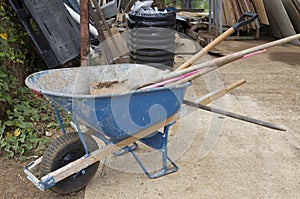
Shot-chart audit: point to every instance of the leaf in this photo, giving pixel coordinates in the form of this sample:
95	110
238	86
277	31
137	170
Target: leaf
7	134
23	125
2	74
5	86
51	125
3	36
17	132
45	118
8	99
8	123
22	158
2	54
3	144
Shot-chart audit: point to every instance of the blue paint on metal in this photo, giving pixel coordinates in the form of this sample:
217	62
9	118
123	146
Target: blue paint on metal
126	150
158	140
59	119
162	145
165	146
155	141
86	150
48	182
115	116
127	114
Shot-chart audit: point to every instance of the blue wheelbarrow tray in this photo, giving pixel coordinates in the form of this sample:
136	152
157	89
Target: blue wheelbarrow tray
117	114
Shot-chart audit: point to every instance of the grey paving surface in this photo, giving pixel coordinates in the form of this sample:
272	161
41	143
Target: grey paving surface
220	157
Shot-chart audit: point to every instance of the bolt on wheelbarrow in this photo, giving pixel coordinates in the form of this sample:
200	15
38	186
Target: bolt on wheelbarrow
119	119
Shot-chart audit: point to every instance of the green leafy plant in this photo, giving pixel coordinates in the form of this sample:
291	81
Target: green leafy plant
23	117
23	133
19	136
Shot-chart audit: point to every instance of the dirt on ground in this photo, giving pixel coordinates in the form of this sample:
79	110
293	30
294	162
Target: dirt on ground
14	184
217	157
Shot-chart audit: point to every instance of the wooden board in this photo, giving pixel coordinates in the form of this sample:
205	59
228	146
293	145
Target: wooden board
229	13
293	14
237	11
224	17
279	20
261	11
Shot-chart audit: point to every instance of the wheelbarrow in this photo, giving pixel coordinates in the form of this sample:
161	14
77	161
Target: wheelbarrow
118	118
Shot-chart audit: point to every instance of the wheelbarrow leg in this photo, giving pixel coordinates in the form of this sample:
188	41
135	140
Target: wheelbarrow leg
127	149
81	136
159	142
59	118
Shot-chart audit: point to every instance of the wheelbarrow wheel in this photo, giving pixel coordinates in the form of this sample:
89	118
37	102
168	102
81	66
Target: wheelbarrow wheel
66	149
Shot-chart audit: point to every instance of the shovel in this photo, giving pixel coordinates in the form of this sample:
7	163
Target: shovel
245	19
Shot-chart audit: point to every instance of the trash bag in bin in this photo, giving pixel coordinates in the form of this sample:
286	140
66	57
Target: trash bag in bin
151	36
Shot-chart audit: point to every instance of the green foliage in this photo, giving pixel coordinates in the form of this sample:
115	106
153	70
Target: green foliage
23	133
18	134
7	83
195	4
23	117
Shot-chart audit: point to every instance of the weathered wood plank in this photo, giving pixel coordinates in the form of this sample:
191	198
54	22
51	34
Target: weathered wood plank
229	13
261	11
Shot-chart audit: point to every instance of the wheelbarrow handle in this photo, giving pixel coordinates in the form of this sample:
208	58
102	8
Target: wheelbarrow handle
246	18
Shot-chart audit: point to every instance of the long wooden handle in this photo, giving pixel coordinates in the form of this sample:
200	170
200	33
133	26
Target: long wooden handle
245	19
220	93
205	50
218	62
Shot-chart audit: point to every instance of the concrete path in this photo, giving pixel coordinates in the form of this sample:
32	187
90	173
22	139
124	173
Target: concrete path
220	157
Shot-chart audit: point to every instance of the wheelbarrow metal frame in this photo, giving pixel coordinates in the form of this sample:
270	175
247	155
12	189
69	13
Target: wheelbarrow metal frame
52	178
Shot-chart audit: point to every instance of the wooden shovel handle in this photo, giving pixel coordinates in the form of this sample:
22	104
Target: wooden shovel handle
207	48
245	19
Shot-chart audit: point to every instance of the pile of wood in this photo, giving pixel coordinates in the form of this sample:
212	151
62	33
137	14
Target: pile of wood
283	16
233	9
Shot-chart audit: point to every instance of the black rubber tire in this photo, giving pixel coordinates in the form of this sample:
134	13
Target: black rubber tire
66	149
